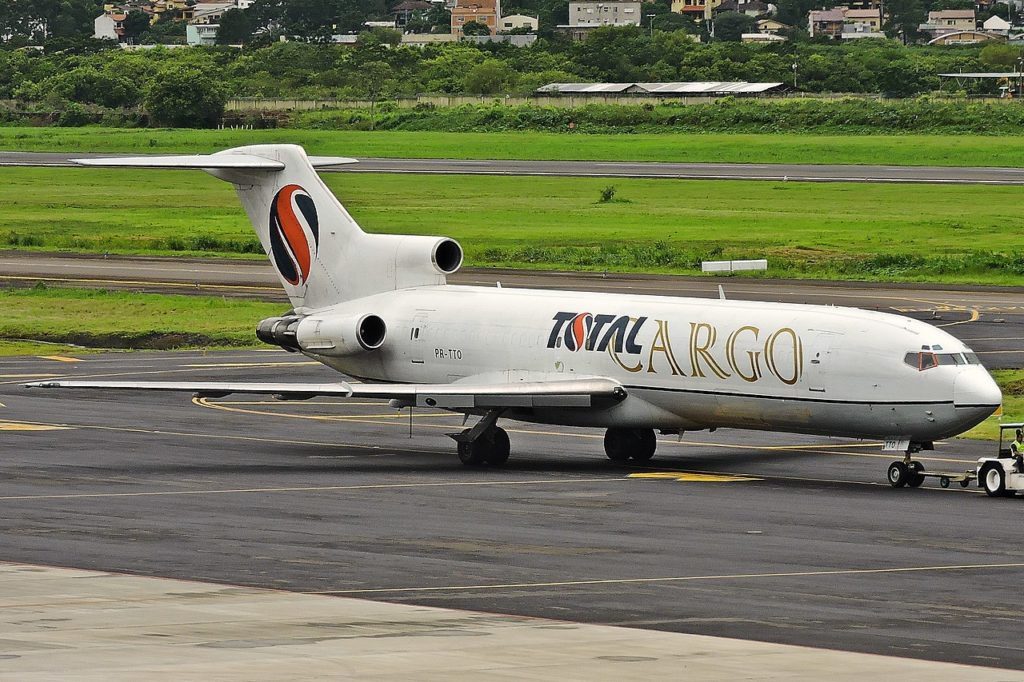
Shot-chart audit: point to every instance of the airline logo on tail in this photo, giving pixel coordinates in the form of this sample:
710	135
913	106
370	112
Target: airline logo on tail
294	233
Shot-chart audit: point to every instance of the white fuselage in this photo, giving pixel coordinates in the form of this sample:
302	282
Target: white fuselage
685	363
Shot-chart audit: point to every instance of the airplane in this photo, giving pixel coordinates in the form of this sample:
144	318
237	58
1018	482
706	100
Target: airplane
377	308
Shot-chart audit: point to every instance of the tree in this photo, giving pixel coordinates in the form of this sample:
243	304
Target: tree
730	26
1000	55
375	78
235	28
135	24
379	36
904	18
89	85
489	77
475	28
185	98
166	32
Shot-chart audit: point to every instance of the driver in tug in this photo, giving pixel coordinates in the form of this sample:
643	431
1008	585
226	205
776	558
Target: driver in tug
1017	450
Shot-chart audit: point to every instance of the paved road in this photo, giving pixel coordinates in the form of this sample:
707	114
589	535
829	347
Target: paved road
621	169
335	498
991	320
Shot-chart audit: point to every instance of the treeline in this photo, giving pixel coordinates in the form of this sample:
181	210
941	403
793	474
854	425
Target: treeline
94	77
298	70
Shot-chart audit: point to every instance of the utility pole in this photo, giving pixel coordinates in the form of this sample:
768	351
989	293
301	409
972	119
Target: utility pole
651	17
795	66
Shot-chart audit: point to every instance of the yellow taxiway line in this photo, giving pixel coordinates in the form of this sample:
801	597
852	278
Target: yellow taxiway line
22	426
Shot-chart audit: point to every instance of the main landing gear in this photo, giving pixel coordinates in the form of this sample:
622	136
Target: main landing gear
623	445
485	443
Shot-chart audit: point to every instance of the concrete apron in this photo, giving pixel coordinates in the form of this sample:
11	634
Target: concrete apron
87	625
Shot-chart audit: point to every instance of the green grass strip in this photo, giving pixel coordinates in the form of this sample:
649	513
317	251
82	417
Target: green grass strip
910	150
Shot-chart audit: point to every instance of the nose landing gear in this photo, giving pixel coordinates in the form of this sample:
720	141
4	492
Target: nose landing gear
908	472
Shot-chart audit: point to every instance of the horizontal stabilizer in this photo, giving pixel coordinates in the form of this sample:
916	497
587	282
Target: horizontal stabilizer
207	161
580	392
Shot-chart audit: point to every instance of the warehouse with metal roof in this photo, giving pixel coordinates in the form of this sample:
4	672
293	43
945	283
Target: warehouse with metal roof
658	89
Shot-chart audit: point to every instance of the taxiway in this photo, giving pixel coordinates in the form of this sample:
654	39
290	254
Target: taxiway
774	538
942	175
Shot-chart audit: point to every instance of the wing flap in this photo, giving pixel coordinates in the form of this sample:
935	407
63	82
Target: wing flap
584	392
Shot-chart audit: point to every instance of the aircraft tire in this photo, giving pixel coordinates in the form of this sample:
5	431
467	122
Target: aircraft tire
644	449
617	445
897	474
993	479
914	476
473	454
499	447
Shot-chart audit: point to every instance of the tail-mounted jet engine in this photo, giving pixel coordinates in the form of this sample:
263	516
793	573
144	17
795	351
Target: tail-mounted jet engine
279	331
334	335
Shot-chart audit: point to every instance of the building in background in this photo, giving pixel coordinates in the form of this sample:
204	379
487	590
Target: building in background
109	27
484	12
516	22
584	17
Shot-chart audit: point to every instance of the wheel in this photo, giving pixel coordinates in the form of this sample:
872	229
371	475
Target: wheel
645	447
499	447
914	476
622	445
472	453
897	474
944	481
616	445
964	483
994	481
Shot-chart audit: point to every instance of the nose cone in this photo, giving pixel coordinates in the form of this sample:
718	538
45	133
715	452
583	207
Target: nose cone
975	388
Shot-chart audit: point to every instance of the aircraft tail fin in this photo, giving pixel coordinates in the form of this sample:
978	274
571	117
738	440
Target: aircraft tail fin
320	253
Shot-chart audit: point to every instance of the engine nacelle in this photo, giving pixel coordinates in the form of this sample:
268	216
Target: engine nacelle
410	261
279	331
340	335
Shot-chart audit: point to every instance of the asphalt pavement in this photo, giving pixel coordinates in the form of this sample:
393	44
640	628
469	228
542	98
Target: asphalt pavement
627	169
768	537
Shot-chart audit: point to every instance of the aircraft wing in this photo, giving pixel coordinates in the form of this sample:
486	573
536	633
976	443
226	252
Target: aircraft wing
578	392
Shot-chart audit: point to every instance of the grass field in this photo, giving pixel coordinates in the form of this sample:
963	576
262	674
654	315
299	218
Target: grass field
1011	381
63	318
917	150
854	231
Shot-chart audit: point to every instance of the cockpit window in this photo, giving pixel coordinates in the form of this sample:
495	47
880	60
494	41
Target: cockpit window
923	360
